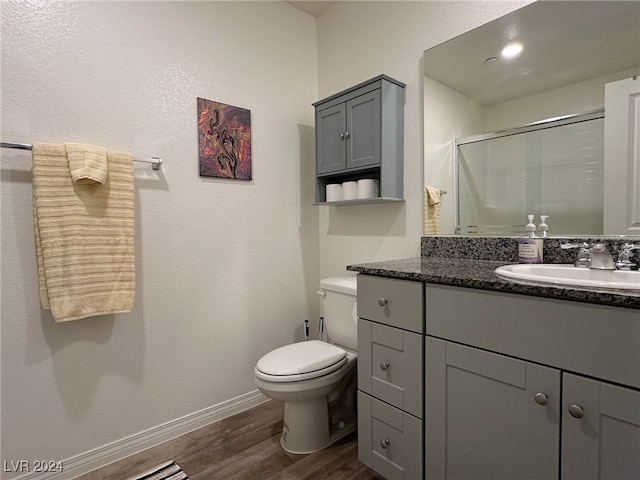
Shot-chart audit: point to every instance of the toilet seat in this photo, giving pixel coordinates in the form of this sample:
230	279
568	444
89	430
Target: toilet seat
300	361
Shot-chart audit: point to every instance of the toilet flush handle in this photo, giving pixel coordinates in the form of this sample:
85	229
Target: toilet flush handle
322	293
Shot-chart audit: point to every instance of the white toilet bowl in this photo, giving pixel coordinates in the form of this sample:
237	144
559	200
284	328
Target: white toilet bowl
317	379
317	382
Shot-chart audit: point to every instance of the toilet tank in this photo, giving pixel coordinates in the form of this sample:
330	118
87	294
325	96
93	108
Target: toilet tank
340	311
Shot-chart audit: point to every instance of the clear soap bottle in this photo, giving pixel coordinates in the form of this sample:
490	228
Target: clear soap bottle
543	228
530	246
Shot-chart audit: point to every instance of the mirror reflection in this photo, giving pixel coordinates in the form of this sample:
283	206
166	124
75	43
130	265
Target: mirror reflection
507	137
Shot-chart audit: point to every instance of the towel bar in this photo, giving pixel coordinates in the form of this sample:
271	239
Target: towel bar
154	161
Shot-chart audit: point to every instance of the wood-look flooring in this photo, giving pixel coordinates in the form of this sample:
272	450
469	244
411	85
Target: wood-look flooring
245	446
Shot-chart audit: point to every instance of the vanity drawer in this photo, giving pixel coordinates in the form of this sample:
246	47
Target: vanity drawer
391	301
390	365
389	440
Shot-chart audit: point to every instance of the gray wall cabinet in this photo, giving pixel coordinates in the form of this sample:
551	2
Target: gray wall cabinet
511	387
359	135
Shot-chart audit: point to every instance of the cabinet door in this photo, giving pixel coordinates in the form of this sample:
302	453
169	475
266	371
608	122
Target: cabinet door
600	430
488	416
364	130
331	150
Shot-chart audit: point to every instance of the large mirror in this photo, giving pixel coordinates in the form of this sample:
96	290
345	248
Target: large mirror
507	137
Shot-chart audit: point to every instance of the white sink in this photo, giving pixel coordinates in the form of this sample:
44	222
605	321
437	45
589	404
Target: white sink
570	276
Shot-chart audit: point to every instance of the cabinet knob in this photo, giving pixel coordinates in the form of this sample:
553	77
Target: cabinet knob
384	443
342	136
541	398
382	301
576	411
347	135
384	365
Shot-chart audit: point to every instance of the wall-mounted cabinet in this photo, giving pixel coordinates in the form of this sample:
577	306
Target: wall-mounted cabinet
360	135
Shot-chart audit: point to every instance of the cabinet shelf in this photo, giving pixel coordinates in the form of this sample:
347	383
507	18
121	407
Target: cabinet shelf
362	201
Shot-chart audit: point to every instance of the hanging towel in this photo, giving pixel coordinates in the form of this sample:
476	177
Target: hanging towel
431	211
88	164
84	236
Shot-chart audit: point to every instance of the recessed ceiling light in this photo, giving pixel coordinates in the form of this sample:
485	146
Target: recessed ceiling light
511	50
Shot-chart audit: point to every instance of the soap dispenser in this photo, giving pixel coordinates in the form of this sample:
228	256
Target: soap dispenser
543	227
530	246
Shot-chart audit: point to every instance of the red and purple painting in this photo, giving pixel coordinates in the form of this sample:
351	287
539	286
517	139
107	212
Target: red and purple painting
224	140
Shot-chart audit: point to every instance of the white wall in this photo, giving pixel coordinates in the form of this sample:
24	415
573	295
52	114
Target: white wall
357	41
447	115
226	270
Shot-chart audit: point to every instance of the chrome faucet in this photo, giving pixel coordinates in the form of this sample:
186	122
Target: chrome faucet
598	257
595	256
601	258
624	258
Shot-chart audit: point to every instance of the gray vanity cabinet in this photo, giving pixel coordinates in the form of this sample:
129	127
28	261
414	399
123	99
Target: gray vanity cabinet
600	430
495	417
522	387
489	416
359	135
390	376
460	383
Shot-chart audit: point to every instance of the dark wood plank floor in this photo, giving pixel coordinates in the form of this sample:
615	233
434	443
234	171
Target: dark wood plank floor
245	446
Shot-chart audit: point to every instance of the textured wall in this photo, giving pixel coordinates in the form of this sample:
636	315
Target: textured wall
226	270
357	41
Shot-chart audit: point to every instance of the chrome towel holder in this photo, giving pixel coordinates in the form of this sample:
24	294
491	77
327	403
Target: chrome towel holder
154	161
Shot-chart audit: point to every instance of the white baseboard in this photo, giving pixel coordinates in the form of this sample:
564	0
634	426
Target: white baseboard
112	452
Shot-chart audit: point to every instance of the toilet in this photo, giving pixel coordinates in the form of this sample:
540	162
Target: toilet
316	379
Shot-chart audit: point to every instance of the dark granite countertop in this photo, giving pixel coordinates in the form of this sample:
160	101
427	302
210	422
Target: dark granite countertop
474	273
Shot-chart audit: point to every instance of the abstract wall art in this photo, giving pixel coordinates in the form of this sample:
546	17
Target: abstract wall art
224	140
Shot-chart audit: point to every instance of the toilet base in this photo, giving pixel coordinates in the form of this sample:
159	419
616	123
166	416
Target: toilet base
313	425
306	427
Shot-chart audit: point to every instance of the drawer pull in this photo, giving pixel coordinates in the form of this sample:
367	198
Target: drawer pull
382	301
384	365
541	398
384	443
576	411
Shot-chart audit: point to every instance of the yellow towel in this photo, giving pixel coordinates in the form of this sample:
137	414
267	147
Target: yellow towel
431	211
84	236
87	163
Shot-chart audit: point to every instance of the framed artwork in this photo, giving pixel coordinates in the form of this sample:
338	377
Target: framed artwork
224	140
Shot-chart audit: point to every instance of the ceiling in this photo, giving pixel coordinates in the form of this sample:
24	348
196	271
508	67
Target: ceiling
312	8
564	43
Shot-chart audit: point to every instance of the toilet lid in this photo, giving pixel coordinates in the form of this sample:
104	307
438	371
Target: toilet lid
304	359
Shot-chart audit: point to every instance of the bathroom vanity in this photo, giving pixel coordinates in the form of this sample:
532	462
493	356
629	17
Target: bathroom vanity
464	375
